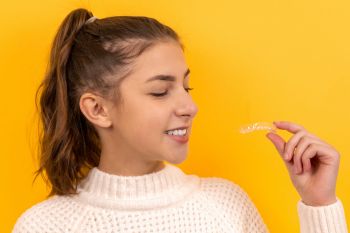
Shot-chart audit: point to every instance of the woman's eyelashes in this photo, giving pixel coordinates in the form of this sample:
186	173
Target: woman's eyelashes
188	89
166	92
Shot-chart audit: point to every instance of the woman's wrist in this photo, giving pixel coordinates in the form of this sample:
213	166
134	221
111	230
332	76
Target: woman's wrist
320	202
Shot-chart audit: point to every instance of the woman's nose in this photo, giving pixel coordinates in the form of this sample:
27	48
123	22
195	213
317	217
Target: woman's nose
187	107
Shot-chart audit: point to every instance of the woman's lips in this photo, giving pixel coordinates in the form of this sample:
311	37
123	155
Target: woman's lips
180	139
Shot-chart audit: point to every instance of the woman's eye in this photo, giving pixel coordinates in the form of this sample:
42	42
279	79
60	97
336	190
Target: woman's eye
188	89
159	94
164	93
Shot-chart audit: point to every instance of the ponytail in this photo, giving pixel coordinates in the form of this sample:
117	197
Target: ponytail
63	142
94	56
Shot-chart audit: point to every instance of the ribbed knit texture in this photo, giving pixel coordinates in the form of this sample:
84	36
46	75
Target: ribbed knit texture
165	201
322	219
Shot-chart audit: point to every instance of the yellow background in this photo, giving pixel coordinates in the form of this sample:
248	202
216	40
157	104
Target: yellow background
250	61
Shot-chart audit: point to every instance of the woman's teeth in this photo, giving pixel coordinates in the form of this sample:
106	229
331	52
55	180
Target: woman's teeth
177	132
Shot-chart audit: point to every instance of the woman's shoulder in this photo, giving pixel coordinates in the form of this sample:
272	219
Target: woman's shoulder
225	193
47	214
220	186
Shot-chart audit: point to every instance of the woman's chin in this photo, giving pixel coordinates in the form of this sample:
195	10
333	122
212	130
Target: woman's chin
176	159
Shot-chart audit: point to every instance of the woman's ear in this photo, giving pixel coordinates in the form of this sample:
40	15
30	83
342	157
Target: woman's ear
95	110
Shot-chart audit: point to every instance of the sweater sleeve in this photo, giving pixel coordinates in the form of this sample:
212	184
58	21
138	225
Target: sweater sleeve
322	219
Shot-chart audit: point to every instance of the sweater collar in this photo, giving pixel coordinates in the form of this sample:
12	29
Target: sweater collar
156	189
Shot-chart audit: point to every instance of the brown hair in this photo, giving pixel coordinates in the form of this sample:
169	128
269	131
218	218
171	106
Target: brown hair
94	57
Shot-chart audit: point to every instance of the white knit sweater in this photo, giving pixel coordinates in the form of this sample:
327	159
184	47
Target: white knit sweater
165	201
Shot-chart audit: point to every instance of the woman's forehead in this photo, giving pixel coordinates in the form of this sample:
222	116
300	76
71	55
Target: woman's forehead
163	59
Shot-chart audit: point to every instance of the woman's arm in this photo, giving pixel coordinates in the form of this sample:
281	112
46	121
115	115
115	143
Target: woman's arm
313	168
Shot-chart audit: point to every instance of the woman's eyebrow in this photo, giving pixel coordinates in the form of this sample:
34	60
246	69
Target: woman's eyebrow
169	78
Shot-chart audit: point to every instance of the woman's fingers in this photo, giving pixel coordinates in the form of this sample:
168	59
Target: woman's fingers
298	132
277	141
306	163
291	144
289	126
293	151
314	149
301	147
309	153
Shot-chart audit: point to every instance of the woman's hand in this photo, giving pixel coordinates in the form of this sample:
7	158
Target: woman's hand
312	163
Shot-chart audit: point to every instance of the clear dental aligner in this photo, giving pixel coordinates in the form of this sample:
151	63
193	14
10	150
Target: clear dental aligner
257	126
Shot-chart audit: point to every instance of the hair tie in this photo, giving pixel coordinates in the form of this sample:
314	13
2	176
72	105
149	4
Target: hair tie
90	20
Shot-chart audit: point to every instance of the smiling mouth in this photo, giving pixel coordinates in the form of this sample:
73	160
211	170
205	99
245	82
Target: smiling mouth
178	132
179	138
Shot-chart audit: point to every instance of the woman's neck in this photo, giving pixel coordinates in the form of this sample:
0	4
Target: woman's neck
129	167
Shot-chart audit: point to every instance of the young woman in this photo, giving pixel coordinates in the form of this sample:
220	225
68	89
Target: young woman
117	115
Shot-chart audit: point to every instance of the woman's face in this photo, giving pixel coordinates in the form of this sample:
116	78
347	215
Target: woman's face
140	123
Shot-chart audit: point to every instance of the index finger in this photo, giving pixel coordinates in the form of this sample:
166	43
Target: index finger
289	126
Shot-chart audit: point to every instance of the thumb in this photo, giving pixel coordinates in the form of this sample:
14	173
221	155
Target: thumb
277	141
280	145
